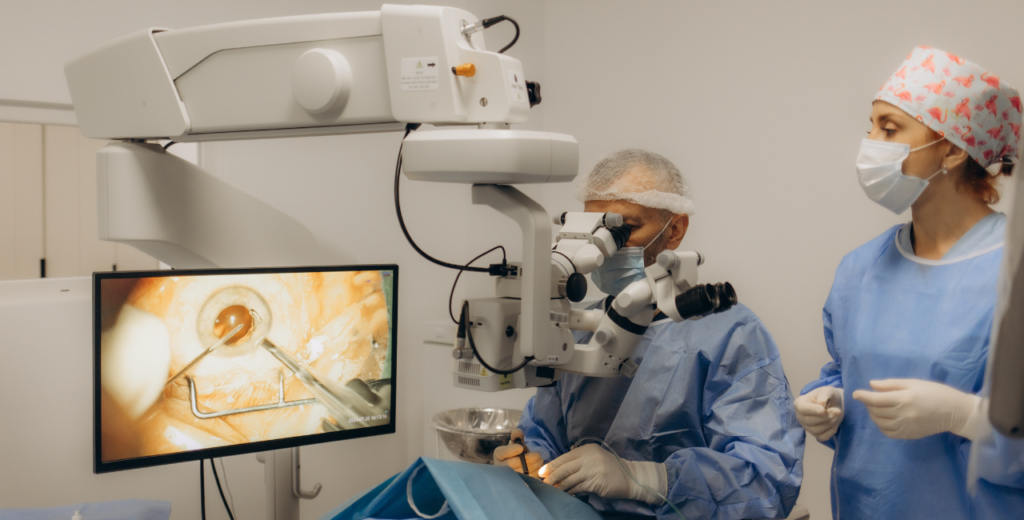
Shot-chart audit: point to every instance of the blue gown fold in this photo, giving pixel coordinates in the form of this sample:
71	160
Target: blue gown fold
710	400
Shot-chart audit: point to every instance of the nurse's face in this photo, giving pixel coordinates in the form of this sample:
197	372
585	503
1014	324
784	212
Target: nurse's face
893	125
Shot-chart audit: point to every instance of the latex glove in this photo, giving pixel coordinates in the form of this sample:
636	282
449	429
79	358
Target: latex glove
912	409
820	411
509	456
592	469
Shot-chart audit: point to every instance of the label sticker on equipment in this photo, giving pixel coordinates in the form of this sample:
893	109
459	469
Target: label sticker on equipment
519	93
420	73
505	382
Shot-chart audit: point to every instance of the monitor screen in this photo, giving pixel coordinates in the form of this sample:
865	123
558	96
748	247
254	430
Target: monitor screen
196	364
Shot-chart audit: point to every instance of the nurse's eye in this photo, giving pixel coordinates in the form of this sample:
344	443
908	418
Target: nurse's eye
889	132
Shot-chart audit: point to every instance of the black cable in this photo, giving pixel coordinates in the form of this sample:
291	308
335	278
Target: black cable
170	144
472	345
227	485
401	221
451	296
202	489
222	499
567	258
497	19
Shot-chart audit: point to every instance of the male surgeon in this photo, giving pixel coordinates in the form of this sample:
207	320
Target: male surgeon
705	423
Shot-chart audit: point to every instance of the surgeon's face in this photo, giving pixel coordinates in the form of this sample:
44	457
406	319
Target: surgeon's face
893	125
647	223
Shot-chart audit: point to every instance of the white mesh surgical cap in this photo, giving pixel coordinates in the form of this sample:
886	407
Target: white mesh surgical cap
640	177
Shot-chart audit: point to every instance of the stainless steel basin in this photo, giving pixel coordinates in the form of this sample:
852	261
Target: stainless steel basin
472	434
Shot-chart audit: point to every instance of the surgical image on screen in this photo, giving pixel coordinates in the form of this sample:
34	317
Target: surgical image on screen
196	362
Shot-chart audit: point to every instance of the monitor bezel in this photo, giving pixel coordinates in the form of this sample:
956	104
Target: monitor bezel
101	466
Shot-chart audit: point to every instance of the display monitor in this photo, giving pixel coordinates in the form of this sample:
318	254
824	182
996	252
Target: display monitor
195	364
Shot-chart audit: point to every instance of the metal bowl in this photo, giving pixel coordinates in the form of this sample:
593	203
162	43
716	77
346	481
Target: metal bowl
472	434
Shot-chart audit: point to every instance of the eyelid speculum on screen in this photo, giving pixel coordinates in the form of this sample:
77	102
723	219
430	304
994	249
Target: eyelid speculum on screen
196	364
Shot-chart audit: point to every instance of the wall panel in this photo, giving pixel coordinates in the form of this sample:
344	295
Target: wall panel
21	200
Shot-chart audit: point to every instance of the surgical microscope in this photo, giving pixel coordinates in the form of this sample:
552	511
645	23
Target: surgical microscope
364	72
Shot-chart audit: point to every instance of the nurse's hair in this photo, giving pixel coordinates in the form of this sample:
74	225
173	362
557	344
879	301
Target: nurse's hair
979	181
653	181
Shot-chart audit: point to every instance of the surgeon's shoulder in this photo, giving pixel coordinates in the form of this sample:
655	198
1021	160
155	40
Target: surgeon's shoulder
737	327
865	255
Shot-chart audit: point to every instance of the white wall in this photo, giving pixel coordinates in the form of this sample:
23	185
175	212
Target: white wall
762	105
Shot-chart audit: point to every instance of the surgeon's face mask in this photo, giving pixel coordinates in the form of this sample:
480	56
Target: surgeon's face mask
624	268
880	171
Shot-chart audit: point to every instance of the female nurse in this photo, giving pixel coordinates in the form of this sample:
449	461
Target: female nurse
908	319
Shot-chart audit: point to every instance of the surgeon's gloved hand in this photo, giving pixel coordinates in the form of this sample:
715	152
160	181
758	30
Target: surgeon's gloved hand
820	411
913	408
592	469
509	456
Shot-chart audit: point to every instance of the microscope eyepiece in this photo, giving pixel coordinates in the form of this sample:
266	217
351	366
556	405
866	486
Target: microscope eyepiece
620	234
703	300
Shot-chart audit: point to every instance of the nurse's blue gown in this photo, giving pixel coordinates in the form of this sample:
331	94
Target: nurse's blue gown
891	314
710	400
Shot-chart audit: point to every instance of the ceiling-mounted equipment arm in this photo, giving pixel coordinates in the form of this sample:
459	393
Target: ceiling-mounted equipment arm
294	76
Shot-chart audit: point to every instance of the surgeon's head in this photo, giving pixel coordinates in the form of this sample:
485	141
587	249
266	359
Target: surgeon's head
648	191
957	118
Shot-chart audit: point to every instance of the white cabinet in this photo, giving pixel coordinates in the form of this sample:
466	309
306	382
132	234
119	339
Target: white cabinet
48	206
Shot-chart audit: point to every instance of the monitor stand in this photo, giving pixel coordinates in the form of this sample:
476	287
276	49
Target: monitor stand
281	476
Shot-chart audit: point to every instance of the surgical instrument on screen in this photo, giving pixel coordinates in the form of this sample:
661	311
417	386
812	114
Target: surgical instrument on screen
281	403
224	339
349	405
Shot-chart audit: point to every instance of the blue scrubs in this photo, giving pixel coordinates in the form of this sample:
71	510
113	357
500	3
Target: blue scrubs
891	314
710	400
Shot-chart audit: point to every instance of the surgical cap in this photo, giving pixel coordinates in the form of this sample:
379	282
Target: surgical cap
640	177
961	101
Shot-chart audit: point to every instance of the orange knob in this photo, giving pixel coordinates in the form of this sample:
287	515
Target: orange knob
467	69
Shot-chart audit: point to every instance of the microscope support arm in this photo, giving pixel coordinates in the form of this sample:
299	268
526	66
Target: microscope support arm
536	282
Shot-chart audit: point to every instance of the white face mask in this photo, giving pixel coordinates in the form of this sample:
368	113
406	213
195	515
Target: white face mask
880	171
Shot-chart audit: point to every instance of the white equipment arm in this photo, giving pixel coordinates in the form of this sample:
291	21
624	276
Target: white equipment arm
296	76
288	77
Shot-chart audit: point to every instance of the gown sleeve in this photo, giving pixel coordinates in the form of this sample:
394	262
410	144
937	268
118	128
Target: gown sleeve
831	373
752	465
543	424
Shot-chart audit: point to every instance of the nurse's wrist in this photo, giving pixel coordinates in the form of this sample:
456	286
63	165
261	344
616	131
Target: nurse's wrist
976	425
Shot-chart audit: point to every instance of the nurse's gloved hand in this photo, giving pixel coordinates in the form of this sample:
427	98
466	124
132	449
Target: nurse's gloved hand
592	469
509	456
820	411
913	408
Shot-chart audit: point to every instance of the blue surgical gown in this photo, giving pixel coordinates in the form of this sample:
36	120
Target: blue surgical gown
891	314
710	400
